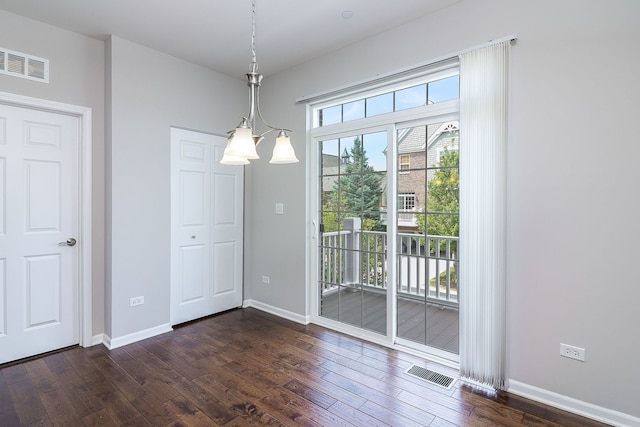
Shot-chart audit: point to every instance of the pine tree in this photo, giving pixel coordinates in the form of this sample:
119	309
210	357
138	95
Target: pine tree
360	188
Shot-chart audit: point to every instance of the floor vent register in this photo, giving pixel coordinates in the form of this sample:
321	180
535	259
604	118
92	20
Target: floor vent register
431	376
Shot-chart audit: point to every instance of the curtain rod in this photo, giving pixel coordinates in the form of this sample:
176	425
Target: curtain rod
379	79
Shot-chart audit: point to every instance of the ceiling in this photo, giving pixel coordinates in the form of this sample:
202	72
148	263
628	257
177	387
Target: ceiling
217	33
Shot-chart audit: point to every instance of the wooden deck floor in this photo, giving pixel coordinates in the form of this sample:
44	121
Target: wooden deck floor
419	322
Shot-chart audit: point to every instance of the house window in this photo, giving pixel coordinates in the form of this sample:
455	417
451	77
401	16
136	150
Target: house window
406	201
403	162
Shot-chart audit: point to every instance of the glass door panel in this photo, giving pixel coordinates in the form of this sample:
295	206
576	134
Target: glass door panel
353	230
427	235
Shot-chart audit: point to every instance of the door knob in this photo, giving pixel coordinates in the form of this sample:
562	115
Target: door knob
70	242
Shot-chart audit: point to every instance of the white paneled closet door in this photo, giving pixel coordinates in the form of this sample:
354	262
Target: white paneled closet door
206	227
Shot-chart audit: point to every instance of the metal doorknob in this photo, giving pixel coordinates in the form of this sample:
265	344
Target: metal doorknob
70	242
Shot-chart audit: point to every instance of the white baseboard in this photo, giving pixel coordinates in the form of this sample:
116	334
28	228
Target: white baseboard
289	315
97	339
576	406
112	343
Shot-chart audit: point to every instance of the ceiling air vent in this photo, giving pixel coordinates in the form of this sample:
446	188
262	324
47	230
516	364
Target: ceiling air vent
19	64
431	376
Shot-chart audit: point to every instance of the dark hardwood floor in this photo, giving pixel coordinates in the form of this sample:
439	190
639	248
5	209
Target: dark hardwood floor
246	367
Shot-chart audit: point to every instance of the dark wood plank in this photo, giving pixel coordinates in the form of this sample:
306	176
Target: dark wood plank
42	378
187	413
318	414
56	405
100	418
355	416
78	389
314	396
357	375
26	401
152	410
454	412
6	404
247	413
9	418
247	367
400	415
14	373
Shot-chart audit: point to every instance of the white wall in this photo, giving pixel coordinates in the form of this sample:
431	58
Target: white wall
146	92
150	92
76	77
572	181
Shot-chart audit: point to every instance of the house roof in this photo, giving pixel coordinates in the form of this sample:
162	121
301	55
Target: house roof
416	139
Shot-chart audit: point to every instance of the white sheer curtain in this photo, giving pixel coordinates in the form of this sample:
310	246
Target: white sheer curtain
483	137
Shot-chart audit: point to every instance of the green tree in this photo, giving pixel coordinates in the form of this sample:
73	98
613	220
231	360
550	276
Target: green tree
356	194
332	210
361	188
443	200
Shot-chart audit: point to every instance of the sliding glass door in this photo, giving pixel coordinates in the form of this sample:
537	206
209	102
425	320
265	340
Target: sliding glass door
391	233
385	181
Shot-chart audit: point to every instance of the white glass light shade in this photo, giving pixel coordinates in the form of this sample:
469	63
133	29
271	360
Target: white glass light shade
283	151
232	160
242	144
228	159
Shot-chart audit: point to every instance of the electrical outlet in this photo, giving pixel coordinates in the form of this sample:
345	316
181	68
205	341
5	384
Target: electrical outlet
572	352
136	301
266	280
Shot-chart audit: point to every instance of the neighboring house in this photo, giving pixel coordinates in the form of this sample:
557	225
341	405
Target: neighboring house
412	144
412	162
330	168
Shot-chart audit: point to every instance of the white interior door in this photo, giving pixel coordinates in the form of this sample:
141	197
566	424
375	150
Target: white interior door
39	205
207	229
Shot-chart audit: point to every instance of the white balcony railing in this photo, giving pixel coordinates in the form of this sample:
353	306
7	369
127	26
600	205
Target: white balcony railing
358	258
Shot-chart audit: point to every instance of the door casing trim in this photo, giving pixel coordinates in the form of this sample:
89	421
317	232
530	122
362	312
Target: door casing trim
85	239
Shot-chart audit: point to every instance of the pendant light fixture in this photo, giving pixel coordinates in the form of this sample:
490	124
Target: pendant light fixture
243	140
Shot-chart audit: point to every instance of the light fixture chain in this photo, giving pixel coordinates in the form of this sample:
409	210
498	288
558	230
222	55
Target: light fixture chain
254	62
